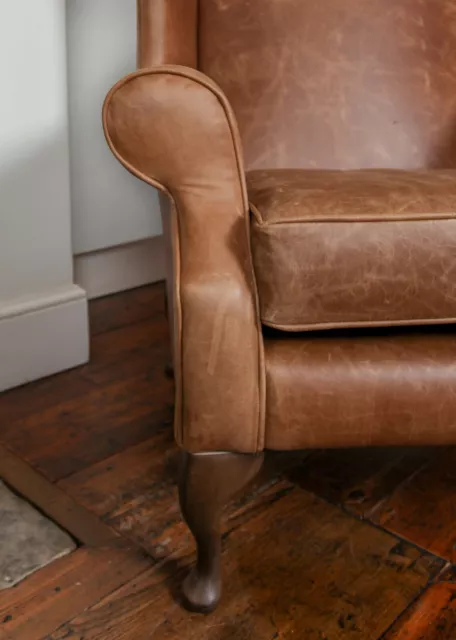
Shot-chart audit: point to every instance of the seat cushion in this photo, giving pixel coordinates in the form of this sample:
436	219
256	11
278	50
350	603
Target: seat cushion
352	248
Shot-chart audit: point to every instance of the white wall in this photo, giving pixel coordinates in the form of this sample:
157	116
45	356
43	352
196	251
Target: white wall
43	315
35	232
109	206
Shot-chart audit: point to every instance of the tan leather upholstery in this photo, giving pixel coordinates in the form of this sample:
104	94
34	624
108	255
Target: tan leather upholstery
373	388
309	85
343	84
347	248
173	128
167	32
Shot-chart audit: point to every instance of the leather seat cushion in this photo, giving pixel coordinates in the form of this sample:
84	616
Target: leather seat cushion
353	248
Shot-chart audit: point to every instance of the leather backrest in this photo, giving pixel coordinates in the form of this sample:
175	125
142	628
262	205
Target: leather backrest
336	83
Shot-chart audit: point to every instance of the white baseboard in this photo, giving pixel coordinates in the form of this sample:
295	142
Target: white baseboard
43	335
120	268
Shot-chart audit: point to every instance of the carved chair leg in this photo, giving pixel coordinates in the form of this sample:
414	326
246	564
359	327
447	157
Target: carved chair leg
208	482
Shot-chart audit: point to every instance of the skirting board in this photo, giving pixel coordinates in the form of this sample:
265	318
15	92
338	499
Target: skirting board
42	336
120	268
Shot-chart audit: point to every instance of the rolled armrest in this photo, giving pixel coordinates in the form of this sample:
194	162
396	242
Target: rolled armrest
173	128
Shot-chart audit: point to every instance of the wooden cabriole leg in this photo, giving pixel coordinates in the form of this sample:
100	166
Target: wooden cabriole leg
208	482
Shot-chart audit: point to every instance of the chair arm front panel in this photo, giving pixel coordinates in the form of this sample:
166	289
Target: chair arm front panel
173	128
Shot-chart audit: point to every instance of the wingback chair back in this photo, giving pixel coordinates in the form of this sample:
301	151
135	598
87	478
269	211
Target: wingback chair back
331	83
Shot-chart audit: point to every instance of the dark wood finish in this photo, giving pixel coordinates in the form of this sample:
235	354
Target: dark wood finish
301	569
144	344
48	598
432	617
19	404
208	482
424	508
294	566
70	436
360	479
139	487
127	309
52	501
135	492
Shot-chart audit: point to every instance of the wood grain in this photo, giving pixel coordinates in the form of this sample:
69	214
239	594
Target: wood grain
59	591
128	308
432	617
135	492
129	352
300	570
53	502
72	435
423	509
359	479
26	401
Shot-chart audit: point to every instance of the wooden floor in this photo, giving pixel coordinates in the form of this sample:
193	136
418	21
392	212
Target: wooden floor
325	545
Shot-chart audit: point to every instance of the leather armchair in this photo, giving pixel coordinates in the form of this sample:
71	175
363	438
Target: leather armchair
305	156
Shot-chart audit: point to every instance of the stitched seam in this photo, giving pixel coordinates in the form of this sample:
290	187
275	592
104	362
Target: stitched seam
295	328
425	217
180	323
256	300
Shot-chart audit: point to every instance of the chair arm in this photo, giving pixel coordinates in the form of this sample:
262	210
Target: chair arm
172	127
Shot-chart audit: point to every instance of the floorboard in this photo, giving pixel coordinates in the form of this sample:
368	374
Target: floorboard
424	508
68	586
361	479
432	617
343	579
128	308
53	502
72	435
135	492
